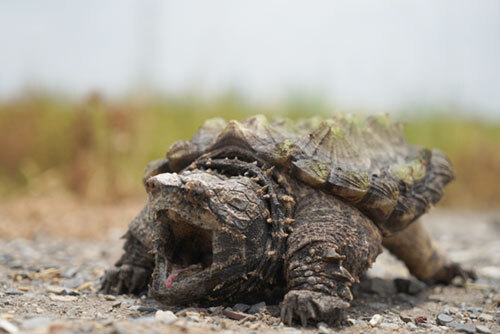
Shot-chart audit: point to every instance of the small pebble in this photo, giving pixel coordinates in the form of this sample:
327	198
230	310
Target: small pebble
235	315
443	319
380	286
464	328
193	318
256	308
14	292
63	298
141	308
241	307
483	329
485	317
475	309
58	290
85	286
109	297
254	326
376	320
411	287
386	325
411	326
435	298
405	318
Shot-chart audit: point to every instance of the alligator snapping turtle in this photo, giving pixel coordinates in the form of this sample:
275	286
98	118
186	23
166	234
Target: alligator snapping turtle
304	206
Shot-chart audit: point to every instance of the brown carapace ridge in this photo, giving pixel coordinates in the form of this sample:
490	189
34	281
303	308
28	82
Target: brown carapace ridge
364	161
280	210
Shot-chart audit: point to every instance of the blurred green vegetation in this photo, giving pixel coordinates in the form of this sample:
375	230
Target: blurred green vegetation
96	149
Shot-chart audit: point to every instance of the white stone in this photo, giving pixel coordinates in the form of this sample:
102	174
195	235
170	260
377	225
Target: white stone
411	326
167	317
376	320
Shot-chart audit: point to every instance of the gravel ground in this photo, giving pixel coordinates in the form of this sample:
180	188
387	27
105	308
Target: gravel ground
48	284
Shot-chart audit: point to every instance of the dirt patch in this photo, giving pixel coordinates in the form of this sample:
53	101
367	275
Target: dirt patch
49	278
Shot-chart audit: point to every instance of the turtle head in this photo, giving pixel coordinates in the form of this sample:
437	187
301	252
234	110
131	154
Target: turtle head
211	234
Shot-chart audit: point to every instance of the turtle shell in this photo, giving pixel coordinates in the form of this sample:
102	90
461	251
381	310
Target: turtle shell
365	161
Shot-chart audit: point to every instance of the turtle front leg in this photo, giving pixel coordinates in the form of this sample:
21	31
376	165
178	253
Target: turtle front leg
416	249
132	272
331	245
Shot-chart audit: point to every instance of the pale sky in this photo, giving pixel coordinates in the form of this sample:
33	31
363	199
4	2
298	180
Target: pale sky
356	54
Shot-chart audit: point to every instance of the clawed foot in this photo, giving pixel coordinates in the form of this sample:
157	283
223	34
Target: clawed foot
450	271
310	305
127	278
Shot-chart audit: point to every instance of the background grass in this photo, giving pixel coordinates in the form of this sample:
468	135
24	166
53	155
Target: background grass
96	149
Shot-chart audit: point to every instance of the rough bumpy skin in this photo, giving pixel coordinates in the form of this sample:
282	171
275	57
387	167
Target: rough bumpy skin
289	210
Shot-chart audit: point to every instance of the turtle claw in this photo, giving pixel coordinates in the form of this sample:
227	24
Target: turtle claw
311	306
450	271
127	278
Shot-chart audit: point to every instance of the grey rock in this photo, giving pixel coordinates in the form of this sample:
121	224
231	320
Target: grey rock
35	323
443	319
474	309
256	308
87	328
379	286
73	283
403	298
14	292
464	328
386	325
483	329
128	301
145	320
142	308
6	258
241	307
16	266
411	287
70	273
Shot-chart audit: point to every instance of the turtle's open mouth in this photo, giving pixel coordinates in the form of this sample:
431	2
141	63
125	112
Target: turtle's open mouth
188	250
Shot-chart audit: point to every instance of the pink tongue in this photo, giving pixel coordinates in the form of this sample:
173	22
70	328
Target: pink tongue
173	275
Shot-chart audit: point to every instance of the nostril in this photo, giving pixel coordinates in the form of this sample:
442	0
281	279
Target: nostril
151	186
